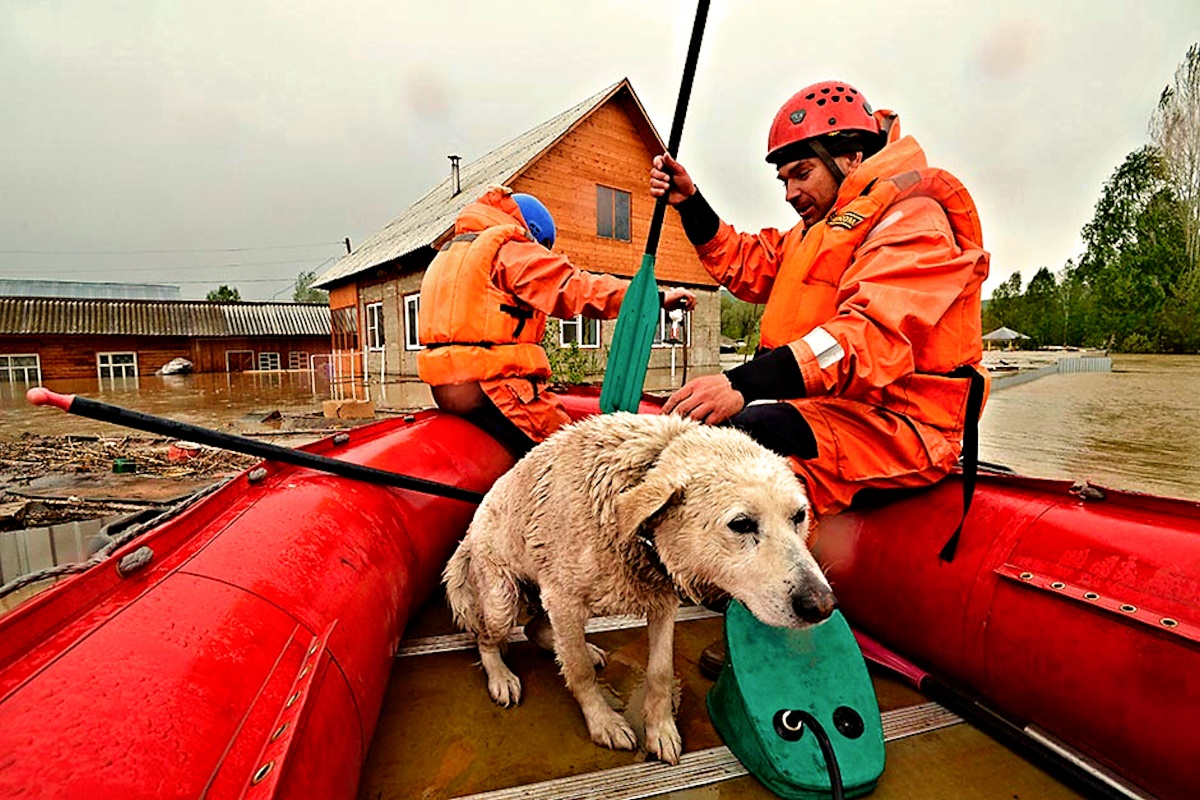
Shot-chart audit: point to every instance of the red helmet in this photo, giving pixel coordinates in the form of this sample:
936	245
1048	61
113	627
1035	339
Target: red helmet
823	108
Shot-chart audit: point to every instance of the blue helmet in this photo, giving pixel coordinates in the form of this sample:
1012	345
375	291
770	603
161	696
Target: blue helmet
538	218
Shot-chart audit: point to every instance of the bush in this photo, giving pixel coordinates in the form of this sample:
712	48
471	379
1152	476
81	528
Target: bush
1137	343
569	365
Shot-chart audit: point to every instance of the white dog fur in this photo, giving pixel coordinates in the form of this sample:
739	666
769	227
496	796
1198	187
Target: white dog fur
623	514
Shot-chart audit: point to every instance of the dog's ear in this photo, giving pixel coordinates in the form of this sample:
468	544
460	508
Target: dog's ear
638	503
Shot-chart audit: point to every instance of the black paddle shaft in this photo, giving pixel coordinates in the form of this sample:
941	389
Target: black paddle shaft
681	104
104	412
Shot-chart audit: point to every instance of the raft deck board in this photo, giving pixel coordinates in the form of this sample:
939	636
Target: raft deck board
440	736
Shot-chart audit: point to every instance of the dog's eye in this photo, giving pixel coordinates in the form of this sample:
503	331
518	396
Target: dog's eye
799	517
744	525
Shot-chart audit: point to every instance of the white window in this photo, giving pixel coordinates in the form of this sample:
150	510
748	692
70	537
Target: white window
375	338
297	359
116	365
23	368
268	362
670	333
412	322
581	331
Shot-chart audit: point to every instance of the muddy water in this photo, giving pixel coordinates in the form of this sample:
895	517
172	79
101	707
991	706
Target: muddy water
1137	427
223	401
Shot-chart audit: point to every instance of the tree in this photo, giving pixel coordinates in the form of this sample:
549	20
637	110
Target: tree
224	294
305	293
1175	130
739	320
1043	309
1004	307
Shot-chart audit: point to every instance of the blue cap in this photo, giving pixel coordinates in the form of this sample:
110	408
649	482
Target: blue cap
538	218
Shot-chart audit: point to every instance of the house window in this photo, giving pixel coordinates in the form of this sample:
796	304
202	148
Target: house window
665	335
268	362
612	214
580	331
116	365
239	360
297	359
375	338
25	368
412	322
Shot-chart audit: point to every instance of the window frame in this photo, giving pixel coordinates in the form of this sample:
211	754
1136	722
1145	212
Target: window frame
412	321
8	370
577	324
269	356
608	223
376	338
663	329
123	365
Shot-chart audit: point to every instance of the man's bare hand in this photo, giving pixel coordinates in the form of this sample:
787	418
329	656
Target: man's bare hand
710	399
668	177
678	298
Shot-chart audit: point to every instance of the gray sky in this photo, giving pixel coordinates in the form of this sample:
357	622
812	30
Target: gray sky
263	133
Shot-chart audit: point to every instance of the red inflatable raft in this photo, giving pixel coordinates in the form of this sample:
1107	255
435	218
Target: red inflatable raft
241	647
1071	610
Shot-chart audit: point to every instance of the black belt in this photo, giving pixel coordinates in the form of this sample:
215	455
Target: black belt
970	453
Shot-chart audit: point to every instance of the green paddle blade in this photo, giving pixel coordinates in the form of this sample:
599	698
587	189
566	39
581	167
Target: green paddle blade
629	353
819	670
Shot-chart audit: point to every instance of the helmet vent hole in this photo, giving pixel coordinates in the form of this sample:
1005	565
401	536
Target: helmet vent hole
810	96
825	90
841	88
849	99
821	102
835	98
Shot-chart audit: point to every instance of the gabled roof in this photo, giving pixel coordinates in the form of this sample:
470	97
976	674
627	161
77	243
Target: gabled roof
431	217
1003	335
40	316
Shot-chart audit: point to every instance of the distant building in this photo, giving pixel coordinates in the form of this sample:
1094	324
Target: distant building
45	338
589	165
11	287
1002	337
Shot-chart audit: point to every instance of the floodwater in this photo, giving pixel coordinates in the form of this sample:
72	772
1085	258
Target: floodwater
226	401
1135	428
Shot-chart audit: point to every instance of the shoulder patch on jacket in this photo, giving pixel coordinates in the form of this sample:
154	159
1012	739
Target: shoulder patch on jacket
846	219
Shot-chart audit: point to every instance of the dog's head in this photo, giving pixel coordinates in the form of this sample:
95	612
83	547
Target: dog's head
725	513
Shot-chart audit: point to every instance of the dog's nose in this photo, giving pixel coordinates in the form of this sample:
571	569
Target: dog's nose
813	605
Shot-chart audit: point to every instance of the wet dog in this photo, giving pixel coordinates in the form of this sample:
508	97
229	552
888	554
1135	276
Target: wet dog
624	514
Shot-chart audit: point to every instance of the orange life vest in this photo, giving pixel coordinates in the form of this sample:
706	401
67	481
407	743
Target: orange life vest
888	286
472	329
810	290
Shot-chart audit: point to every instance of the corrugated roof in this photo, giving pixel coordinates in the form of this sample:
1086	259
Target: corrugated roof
433	215
198	318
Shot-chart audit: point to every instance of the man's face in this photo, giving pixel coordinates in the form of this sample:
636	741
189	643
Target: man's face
809	186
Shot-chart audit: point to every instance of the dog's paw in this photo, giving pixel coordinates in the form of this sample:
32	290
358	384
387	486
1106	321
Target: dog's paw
503	685
505	689
599	656
613	731
663	740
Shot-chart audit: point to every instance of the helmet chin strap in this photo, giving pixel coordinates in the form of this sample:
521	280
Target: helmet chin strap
827	160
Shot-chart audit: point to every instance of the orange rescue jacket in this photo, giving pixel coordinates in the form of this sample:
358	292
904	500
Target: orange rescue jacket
879	303
486	295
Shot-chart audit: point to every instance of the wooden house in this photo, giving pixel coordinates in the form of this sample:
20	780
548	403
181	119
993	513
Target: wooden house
49	338
590	166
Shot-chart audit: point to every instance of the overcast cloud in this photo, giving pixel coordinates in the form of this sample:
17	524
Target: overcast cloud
263	133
